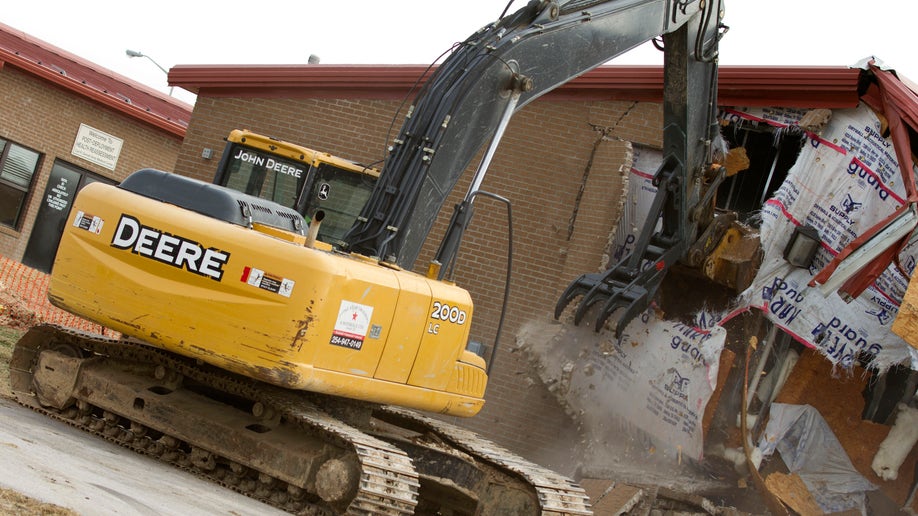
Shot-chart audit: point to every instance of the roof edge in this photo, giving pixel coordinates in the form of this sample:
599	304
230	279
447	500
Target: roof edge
170	126
81	77
753	86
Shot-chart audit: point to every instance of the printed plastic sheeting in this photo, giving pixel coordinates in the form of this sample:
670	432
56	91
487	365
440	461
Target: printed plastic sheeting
809	448
657	379
843	183
654	382
641	192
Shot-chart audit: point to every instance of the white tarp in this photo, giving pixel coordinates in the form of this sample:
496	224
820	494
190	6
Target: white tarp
641	192
652	385
843	183
809	448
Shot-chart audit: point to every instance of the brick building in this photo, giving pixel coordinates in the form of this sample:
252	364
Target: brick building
578	138
66	122
563	164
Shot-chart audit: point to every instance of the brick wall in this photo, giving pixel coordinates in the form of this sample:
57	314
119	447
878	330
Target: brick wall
47	119
550	150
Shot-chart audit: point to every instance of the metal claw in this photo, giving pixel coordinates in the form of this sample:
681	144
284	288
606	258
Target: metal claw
638	302
595	295
578	287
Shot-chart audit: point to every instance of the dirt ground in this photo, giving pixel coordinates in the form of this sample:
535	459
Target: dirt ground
16	504
15	318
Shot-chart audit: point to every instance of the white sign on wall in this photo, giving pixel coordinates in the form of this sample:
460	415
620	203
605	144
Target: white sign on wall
97	147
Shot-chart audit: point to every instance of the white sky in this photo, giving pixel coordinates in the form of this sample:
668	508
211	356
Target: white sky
762	32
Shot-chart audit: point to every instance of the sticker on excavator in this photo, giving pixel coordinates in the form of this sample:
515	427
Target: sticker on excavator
352	325
88	222
260	279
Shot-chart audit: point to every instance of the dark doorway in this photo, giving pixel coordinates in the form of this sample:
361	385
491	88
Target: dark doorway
54	212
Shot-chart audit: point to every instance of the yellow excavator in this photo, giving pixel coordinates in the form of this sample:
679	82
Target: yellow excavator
291	369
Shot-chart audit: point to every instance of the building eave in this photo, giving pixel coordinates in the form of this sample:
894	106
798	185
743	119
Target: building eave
752	86
76	75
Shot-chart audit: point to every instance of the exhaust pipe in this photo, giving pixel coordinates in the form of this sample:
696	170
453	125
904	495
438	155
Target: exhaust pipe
314	229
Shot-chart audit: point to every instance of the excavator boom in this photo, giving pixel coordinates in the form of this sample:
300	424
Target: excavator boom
547	44
513	61
685	181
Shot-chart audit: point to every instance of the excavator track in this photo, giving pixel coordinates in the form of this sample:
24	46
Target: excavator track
299	452
557	495
388	483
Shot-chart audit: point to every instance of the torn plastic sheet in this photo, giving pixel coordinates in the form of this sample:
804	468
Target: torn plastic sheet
653	384
843	183
809	448
641	192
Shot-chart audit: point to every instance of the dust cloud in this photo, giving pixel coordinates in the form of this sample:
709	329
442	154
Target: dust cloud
567	359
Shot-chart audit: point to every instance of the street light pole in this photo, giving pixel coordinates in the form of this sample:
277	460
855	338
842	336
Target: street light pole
134	53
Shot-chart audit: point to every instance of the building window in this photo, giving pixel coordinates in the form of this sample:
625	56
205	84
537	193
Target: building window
17	168
772	151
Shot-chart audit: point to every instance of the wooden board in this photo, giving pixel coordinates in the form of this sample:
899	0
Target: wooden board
837	395
906	323
791	490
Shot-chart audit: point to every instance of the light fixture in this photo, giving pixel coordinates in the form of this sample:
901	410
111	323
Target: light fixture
134	53
802	246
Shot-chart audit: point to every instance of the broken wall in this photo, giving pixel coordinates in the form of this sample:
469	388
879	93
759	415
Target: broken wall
845	181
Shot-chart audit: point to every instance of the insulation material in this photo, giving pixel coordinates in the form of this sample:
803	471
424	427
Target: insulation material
652	385
843	183
897	445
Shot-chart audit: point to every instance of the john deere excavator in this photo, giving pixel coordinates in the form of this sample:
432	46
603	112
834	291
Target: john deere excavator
290	370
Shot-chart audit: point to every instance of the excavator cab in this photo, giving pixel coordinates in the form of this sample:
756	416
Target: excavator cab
297	177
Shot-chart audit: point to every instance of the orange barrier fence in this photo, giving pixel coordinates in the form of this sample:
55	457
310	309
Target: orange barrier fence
28	288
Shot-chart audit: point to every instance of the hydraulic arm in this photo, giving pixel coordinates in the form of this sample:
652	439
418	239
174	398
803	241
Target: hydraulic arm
513	61
685	181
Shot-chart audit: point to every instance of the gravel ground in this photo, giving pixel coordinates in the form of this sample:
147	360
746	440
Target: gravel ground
12	502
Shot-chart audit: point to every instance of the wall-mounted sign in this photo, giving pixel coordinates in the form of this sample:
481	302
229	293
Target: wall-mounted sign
96	146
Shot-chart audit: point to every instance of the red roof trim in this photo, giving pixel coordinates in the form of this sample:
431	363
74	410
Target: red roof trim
74	74
832	87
